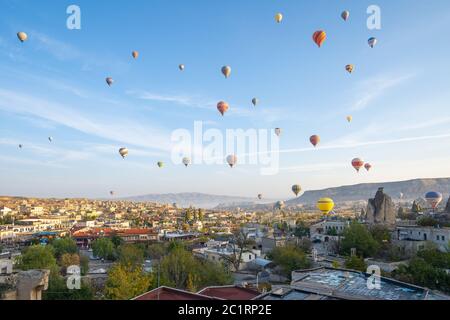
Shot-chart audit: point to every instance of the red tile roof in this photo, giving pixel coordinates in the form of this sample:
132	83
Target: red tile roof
230	293
166	293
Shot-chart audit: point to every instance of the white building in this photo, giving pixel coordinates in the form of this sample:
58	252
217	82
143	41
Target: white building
439	236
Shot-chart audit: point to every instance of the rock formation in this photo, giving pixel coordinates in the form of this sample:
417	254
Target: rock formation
381	209
447	207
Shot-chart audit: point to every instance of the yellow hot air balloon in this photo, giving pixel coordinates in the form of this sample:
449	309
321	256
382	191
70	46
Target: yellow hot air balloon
226	70
278	17
160	164
349	68
22	36
325	205
349	118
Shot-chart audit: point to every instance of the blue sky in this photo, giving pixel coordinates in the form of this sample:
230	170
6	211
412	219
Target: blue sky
54	85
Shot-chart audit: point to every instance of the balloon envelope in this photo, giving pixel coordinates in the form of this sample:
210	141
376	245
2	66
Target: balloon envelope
135	54
22	36
255	101
160	164
296	189
372	42
319	37
345	15
109	81
349	68
223	107
260	196
181	67
278	131
278	17
434	199
368	166
231	160
186	161
315	139
349	118
123	152
357	163
226	70
325	205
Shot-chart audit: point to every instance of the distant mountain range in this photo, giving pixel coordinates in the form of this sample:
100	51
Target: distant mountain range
411	190
199	200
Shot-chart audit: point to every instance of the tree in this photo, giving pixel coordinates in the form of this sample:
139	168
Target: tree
69	259
103	248
356	263
57	290
129	254
84	265
289	258
416	208
126	282
358	236
38	257
64	245
427	222
157	251
116	240
380	234
239	243
301	230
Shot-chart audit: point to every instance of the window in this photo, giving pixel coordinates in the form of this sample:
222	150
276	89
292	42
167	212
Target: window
249	257
437	238
443	238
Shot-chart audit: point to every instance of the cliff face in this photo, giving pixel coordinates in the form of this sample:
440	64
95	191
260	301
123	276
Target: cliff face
447	207
381	209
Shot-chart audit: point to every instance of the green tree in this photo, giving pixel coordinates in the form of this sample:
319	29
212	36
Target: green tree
427	222
301	229
126	282
130	254
116	240
64	245
84	265
57	290
38	257
69	259
380	234
358	236
355	263
157	251
103	248
289	258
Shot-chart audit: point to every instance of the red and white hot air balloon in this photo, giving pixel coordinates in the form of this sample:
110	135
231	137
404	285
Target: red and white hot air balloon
357	163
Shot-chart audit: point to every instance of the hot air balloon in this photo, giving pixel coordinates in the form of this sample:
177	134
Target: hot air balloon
296	189
135	54
279	205
315	139
223	107
434	199
226	70
345	15
20	146
372	42
260	196
123	152
255	101
186	161
111	193
278	131
50	139
368	166
278	17
349	68
160	164
349	118
22	36
325	205
109	81
357	163
319	37
181	67
231	160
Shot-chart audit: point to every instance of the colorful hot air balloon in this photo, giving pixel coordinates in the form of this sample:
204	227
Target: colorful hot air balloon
315	139
186	161
349	118
278	131
223	107
231	160
319	37
357	163
226	70
160	164
349	68
325	205
181	67
434	199
345	15
372	42
260	196
278	17
296	189
135	54
255	101
368	166
123	152
22	36
109	81
50	139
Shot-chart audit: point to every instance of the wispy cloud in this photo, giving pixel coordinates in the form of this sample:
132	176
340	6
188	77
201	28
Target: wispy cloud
181	100
371	89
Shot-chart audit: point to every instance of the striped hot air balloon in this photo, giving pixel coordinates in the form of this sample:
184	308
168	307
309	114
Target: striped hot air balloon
319	37
349	68
314	139
325	205
223	107
296	189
